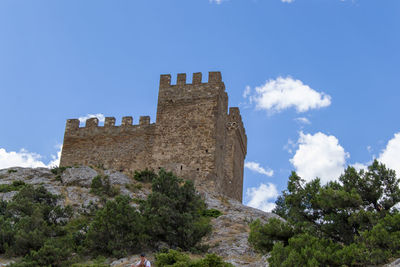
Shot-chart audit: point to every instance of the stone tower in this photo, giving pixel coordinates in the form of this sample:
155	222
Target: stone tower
194	136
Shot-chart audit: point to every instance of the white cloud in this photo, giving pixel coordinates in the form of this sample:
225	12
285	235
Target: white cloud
246	91
390	156
303	120
290	145
287	1
55	162
24	158
283	93
319	155
262	197
254	166
217	1
88	116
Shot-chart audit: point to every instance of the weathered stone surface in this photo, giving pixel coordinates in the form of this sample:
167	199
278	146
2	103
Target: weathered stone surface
117	178
395	263
37	176
195	136
79	196
55	189
81	176
231	230
8	196
24	174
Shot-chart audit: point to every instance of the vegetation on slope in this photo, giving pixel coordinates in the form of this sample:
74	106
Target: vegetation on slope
349	222
33	226
173	258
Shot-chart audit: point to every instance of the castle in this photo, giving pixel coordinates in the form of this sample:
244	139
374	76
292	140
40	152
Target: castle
194	136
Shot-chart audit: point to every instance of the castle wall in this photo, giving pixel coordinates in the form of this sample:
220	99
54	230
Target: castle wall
124	147
194	136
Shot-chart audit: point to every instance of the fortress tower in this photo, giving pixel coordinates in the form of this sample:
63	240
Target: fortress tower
194	136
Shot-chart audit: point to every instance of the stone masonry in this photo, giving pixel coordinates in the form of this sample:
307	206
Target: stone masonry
194	136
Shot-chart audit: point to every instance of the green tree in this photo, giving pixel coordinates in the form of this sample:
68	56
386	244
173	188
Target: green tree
264	236
173	212
26	221
116	229
343	222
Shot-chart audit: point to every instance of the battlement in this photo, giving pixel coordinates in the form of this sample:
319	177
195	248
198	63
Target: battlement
92	125
213	77
183	93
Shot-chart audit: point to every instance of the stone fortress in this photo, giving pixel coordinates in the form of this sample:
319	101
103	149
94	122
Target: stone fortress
194	136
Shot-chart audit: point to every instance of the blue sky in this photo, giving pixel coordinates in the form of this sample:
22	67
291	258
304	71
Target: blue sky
320	77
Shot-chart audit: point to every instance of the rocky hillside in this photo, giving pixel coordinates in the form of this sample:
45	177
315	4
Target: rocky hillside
230	230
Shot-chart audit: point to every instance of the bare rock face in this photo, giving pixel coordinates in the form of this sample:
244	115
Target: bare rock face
37	176
8	196
79	176
28	175
395	263
231	231
117	178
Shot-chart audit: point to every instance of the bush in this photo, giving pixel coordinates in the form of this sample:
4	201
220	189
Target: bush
145	176
14	186
213	213
55	252
90	265
211	260
57	171
174	258
102	187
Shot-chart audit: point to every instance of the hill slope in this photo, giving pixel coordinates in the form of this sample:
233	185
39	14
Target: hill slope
230	230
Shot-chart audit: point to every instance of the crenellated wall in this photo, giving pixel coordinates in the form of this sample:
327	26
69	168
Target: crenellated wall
124	147
194	136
